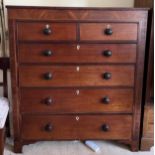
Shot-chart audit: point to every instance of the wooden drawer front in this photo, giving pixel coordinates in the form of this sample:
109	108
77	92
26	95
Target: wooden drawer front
36	31
76	127
96	32
66	76
76	100
69	53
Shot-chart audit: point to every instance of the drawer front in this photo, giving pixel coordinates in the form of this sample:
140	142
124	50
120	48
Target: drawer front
108	32
46	31
68	76
76	127
74	53
76	100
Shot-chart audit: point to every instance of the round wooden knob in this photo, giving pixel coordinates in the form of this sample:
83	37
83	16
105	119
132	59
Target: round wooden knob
107	53
47	31
105	127
107	76
48	127
106	100
48	76
48	101
108	31
47	53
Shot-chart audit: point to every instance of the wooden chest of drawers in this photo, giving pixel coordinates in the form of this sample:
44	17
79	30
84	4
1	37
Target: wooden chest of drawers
76	73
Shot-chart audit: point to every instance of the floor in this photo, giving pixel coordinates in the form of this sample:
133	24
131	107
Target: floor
73	148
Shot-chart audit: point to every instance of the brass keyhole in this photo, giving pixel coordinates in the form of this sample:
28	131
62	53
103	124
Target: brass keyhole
108	26
77	92
47	26
77	118
78	47
78	68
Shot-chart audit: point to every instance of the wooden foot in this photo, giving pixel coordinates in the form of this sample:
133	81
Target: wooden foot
17	147
134	146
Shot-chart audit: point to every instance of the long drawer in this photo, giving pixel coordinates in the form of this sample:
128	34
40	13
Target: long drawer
73	100
108	32
47	127
41	31
76	53
68	76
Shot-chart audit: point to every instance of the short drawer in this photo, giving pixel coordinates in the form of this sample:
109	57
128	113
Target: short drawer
59	101
71	76
42	31
108	32
65	127
77	53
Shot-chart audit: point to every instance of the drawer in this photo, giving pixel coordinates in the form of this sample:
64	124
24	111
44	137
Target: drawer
76	100
76	127
42	31
108	32
71	76
77	53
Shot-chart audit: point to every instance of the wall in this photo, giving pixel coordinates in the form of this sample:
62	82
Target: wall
83	3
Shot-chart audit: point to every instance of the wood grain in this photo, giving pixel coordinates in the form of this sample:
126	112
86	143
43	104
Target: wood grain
144	3
68	53
76	101
76	76
77	14
34	31
68	127
95	31
83	71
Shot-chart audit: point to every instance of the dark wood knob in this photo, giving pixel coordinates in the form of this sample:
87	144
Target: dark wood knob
105	127
107	76
47	53
47	31
48	76
48	101
106	100
108	31
48	127
107	53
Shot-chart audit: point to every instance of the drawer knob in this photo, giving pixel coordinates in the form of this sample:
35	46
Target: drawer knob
47	30
105	127
107	53
48	76
48	101
107	76
48	127
108	31
47	53
106	100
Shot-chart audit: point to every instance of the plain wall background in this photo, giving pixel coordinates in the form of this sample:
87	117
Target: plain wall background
83	3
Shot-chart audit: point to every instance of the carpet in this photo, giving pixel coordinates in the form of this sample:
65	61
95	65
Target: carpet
72	148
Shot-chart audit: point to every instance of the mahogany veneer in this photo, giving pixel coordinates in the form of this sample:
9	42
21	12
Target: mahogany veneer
65	31
49	53
95	31
76	73
74	76
94	100
76	127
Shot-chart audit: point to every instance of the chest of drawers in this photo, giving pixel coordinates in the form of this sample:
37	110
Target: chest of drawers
76	73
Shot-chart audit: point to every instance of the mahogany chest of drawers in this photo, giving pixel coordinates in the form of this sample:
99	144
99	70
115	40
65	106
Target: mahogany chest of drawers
76	73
